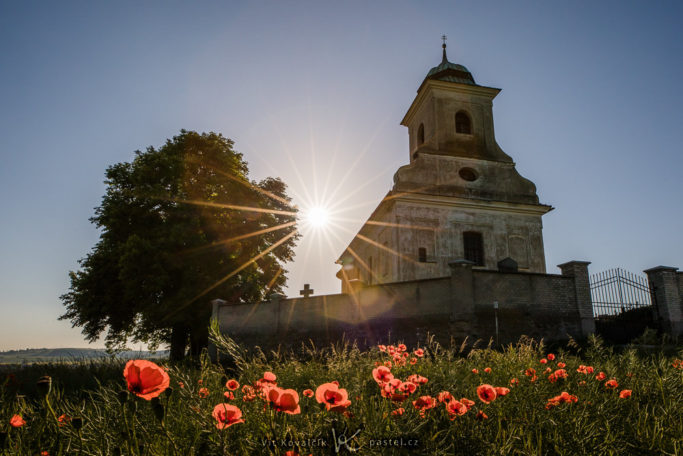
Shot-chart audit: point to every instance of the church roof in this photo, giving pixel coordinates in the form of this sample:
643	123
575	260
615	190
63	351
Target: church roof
450	72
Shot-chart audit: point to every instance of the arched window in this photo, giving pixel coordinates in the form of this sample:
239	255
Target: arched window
474	247
420	134
462	123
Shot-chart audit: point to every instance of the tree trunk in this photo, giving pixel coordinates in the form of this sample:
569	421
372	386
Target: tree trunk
179	335
199	339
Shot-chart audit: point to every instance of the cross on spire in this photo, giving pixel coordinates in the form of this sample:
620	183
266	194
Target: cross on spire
307	291
444	38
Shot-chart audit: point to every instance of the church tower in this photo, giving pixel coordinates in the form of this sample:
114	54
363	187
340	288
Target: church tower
460	197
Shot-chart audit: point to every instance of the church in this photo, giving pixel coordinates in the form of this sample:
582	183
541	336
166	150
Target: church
460	196
454	250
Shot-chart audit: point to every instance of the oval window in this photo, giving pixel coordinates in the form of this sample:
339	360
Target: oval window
468	174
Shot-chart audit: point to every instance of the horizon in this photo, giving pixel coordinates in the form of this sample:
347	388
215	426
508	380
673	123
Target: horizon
314	94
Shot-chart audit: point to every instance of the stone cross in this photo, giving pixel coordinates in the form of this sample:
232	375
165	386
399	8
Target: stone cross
307	291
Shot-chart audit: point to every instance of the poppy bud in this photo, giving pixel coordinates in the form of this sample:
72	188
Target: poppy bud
44	385
123	396
158	409
77	423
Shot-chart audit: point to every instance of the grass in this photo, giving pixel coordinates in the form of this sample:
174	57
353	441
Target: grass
109	420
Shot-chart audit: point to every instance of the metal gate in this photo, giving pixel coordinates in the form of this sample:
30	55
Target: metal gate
623	305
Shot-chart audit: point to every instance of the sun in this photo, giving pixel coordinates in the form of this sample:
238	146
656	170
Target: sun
317	217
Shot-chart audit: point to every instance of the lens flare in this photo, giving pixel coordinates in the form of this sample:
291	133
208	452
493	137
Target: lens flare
318	217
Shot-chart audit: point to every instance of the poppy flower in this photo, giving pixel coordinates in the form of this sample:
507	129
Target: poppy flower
17	421
582	383
229	395
63	419
268	377
562	398
468	403
418	379
481	415
402	347
284	400
561	365
444	396
544	361
294	453
413	360
335	399
226	415
44	453
514	382
398	411
601	376
424	403
611	384
548	370
181	384
456	408
145	379
382	348
487	370
624	394
203	392
419	353
501	391
407	387
486	393
387	364
475	371
560	373
308	392
382	375
232	385
530	372
551	357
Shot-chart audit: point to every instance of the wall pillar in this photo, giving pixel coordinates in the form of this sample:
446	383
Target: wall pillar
578	270
667	294
462	295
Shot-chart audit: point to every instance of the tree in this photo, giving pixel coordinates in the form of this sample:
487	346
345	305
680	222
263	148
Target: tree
180	226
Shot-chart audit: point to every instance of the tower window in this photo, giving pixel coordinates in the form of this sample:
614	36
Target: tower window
422	255
421	134
474	247
462	123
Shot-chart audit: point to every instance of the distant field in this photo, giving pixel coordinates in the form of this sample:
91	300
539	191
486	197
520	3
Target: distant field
50	355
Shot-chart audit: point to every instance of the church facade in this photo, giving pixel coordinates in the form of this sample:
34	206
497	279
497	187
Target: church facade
460	196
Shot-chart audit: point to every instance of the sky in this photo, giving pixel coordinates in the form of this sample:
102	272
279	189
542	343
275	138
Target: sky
313	92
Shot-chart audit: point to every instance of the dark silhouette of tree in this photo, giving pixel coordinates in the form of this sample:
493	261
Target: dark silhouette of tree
180	226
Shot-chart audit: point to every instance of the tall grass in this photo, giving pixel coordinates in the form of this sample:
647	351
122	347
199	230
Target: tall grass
107	420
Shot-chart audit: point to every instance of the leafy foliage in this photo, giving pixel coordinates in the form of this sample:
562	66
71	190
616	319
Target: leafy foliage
180	226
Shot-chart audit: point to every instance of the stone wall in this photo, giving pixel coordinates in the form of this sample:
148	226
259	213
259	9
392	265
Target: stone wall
461	305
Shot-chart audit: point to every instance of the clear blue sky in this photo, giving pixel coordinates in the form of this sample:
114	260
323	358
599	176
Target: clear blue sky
313	92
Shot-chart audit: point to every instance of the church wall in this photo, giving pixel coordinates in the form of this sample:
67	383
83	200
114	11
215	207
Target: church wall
538	305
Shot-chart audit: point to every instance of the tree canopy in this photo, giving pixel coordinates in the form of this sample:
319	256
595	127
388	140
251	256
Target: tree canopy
180	226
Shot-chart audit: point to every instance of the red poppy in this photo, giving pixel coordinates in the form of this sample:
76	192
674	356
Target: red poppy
481	415
145	379
468	403
203	392
402	347
582	383
562	398
63	419
268	377
284	400
624	394
544	361
560	373
601	376
475	371
486	393
547	370
227	415
456	408
335	399
249	393
294	453
418	379
487	370
407	387
44	453
530	372
16	421
387	364
308	392
181	384
561	365
551	357
424	403
413	360
382	348
229	395
382	375
398	411
444	396
232	385
611	384
419	353
501	391
514	382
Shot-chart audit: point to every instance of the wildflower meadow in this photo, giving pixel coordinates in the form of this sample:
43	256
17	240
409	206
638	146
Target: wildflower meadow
391	399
